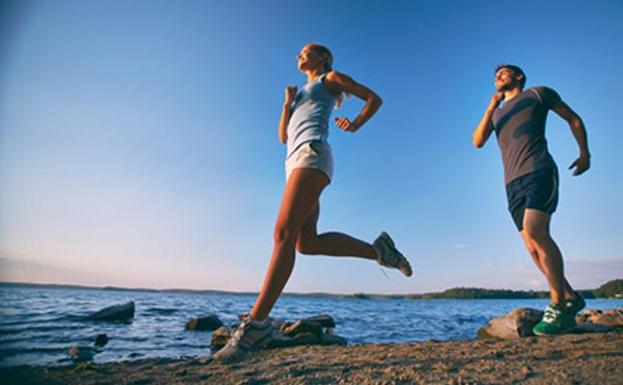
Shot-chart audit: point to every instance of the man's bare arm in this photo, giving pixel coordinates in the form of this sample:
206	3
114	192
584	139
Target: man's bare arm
583	162
485	127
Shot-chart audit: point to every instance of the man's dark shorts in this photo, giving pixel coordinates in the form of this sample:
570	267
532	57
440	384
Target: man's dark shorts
536	190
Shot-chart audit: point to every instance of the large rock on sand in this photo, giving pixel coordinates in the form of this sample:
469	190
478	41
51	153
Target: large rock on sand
209	323
220	337
308	331
114	313
517	323
301	326
612	318
325	320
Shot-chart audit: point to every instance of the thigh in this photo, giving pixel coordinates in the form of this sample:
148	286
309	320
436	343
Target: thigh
309	230
536	222
541	190
300	198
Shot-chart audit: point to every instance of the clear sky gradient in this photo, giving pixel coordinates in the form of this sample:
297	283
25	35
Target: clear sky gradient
138	140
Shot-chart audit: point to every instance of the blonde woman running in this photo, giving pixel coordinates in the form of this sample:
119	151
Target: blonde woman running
304	128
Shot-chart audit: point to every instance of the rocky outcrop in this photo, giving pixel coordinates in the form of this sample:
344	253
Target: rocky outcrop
123	312
519	323
309	331
209	323
612	317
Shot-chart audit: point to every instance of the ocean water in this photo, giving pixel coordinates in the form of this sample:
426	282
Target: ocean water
37	325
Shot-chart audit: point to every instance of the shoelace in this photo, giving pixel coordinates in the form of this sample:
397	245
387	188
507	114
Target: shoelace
237	335
551	314
383	271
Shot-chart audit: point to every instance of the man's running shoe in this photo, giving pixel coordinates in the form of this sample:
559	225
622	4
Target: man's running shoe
576	305
556	320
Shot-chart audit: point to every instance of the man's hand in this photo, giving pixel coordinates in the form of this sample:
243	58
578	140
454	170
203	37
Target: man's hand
496	99
581	164
346	125
290	95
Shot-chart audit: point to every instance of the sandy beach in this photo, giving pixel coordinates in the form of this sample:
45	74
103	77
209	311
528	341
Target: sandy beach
568	359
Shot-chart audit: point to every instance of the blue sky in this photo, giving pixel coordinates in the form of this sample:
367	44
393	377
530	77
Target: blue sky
138	140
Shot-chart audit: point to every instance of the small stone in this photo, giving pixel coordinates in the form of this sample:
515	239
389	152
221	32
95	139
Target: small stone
209	323
101	340
526	371
81	353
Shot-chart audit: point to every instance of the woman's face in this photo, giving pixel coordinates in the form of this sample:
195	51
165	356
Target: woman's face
308	59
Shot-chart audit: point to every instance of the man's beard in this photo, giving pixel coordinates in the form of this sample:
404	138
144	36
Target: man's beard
505	87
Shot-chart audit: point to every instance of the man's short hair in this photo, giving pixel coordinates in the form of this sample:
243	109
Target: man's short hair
516	70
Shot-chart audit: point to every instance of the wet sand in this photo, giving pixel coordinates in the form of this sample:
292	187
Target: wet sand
568	359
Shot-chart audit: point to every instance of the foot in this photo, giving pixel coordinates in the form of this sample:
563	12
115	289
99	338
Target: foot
556	320
575	305
250	335
389	256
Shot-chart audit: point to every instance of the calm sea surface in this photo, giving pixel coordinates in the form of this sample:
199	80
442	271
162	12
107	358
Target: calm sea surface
38	325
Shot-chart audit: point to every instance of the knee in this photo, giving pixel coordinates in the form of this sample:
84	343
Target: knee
284	234
532	251
538	235
306	246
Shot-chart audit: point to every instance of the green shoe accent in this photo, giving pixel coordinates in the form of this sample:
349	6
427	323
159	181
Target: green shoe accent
575	306
556	320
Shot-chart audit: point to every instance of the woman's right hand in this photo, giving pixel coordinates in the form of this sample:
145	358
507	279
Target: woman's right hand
290	95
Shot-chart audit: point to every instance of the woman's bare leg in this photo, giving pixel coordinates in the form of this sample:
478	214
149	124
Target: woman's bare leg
333	243
301	196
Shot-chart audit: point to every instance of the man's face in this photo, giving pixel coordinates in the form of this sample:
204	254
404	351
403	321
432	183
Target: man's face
505	80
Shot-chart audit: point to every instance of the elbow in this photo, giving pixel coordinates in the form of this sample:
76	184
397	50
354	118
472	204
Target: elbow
374	101
282	138
379	101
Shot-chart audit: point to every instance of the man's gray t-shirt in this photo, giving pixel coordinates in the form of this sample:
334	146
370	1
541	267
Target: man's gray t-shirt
520	128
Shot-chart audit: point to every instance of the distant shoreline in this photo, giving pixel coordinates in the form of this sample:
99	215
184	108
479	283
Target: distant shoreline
610	290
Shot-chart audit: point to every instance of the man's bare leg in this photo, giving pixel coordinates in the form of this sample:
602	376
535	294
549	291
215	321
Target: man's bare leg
536	231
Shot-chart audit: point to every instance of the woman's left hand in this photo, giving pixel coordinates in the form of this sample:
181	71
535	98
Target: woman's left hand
346	125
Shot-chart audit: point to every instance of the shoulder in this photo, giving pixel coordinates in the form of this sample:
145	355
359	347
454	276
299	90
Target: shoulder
545	92
338	77
546	95
337	81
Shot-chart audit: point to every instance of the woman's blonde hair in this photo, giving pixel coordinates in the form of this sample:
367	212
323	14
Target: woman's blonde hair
327	66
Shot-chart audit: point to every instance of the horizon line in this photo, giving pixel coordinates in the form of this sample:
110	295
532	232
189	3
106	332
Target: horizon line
75	286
